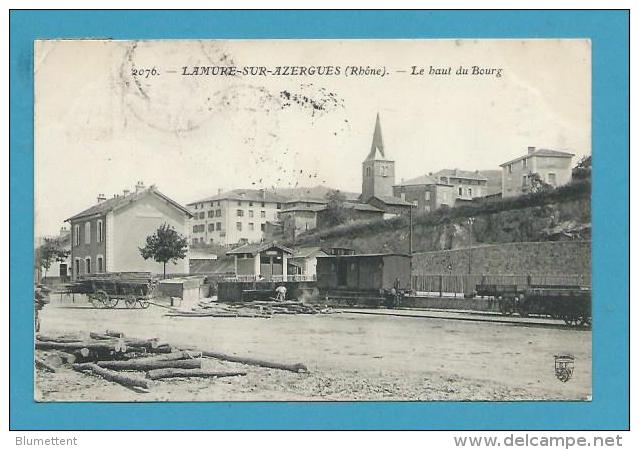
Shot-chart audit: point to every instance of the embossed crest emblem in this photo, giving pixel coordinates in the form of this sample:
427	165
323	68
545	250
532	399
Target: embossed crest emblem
564	367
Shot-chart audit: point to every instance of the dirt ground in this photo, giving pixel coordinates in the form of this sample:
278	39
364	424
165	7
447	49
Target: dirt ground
349	357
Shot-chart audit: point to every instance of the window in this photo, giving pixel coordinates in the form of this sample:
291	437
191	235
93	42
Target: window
384	171
250	203
218	213
238	225
195	206
279	206
251	226
239	203
201	240
194	241
460	191
525	162
210	214
211	204
100	262
470	192
202	215
262	204
263	227
240	213
195	228
76	235
250	213
87	233
77	267
510	168
263	214
552	179
87	265
202	228
427	195
524	181
218	226
211	226
100	231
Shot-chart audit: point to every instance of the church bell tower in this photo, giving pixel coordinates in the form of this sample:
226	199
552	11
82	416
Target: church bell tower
378	171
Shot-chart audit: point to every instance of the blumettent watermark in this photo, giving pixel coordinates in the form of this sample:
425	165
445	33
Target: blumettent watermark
24	441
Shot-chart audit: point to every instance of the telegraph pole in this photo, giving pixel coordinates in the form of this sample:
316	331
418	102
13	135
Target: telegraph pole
410	243
471	220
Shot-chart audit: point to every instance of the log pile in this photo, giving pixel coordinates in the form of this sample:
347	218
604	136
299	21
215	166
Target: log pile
254	309
132	362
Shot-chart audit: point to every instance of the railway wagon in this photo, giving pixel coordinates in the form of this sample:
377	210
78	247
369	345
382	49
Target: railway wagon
572	304
361	279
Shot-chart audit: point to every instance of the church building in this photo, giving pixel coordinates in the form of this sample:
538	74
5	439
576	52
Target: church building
378	178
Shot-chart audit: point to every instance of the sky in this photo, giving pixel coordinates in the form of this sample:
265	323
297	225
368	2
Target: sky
99	128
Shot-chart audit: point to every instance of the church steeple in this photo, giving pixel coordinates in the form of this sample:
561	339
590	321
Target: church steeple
378	171
377	147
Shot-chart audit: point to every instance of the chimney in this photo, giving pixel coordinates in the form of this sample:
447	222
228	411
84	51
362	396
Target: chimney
126	192
531	150
139	186
262	194
219	191
101	198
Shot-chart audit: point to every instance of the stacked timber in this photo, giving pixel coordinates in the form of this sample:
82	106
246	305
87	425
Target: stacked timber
133	362
254	309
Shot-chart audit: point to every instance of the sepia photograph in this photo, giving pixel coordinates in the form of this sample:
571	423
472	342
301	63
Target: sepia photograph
312	220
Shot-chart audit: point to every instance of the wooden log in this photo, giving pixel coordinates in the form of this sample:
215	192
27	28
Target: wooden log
67	346
146	343
163	348
115	334
110	375
175	356
298	367
65	339
141	365
100	336
54	360
158	374
42	364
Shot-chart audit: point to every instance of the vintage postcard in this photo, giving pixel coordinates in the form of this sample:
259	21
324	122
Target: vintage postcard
312	220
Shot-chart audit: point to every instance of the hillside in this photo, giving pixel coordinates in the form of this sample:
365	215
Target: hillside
561	214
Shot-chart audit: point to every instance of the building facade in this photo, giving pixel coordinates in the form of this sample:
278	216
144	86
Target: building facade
554	167
425	192
107	236
235	216
466	184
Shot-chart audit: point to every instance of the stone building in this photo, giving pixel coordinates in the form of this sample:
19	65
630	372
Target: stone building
378	171
554	167
107	236
426	192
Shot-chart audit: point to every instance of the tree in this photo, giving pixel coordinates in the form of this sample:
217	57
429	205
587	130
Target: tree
165	245
335	212
51	251
583	168
537	184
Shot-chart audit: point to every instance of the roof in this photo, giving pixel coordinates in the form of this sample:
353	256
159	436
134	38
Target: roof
319	201
115	203
254	195
541	152
302	208
377	146
365	255
355	206
390	200
254	249
457	173
306	252
423	179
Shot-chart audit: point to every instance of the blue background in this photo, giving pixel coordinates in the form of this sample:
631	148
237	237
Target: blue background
609	33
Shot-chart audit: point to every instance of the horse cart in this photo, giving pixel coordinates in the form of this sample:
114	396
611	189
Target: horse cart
106	290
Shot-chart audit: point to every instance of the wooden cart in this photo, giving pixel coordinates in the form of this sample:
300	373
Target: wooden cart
106	290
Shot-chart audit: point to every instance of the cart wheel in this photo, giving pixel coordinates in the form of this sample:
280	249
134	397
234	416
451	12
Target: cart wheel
130	301
144	302
585	322
571	321
106	300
